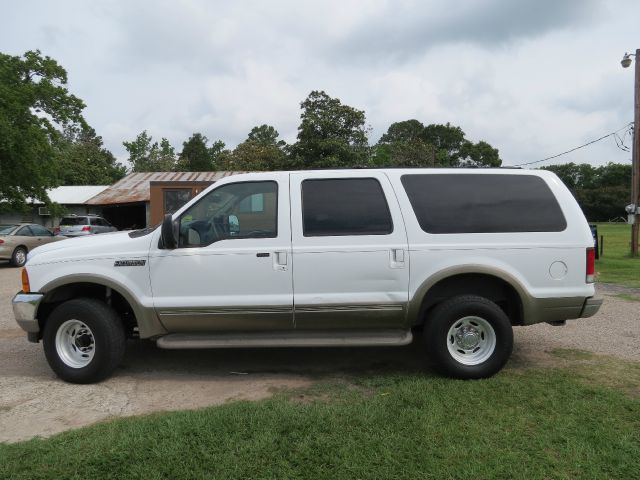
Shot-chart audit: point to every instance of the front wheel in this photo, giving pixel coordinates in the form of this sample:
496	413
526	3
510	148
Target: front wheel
469	337
84	340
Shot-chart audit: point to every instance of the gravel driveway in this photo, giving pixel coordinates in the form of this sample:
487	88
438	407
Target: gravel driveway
33	402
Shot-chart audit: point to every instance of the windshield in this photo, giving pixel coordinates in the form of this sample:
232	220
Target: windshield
7	229
74	221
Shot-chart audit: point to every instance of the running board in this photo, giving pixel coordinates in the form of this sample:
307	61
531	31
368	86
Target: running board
298	338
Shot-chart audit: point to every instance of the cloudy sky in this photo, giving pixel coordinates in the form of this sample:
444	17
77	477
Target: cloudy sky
533	78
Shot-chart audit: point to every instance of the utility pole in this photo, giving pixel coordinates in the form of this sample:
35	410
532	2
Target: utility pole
635	168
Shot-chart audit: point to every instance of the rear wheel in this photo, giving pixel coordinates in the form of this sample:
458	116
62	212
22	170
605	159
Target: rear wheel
19	257
469	337
84	340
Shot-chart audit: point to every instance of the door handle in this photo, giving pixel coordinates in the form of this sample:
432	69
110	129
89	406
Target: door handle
280	261
396	258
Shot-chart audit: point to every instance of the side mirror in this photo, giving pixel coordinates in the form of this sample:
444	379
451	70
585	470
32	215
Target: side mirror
168	233
234	225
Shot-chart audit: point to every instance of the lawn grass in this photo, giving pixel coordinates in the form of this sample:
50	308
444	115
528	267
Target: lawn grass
524	423
616	266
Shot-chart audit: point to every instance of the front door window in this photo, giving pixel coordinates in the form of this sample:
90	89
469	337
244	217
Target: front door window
236	210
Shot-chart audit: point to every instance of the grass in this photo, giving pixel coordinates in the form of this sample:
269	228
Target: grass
627	297
572	422
616	266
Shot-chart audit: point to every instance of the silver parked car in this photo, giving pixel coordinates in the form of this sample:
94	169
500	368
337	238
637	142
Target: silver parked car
17	240
81	225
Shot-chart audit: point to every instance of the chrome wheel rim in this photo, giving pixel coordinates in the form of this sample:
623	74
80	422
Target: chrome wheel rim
21	257
75	344
471	340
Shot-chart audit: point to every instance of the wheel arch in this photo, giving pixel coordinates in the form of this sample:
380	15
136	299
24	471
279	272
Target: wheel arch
118	296
493	284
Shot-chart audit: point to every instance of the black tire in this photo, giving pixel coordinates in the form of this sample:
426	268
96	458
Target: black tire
19	257
106	330
454	316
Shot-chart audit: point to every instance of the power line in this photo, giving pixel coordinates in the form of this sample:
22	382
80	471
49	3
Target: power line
576	148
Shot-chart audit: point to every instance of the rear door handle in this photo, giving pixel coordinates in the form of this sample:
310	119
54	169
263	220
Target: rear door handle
280	261
396	258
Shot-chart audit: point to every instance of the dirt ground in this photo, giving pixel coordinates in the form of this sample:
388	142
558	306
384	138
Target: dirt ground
33	402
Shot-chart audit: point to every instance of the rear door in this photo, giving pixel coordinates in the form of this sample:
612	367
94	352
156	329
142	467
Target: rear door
350	251
41	234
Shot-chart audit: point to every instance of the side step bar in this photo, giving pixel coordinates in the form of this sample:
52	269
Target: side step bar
299	338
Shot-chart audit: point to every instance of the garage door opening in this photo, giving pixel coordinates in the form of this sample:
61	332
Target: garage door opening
127	216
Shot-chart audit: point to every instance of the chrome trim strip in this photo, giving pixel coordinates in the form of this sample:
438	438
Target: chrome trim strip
227	310
392	307
25	308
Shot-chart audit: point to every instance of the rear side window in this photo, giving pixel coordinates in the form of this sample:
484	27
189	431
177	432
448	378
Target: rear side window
74	221
468	203
344	206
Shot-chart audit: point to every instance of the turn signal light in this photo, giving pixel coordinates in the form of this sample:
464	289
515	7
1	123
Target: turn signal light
26	288
591	265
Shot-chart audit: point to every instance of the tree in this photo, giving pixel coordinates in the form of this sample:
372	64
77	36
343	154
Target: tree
261	151
405	131
330	135
265	135
146	155
410	143
35	106
602	192
83	160
197	156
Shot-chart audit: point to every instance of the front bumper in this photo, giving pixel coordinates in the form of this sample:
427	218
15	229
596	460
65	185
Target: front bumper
25	309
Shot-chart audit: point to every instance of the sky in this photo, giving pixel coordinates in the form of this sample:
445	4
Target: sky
532	78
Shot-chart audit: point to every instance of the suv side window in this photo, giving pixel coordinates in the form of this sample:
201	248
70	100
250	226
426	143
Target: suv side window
344	206
473	203
223	214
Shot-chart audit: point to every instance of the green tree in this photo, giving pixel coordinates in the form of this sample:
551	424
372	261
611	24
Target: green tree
261	151
410	143
146	155
83	160
265	135
330	135
35	107
602	192
405	131
197	156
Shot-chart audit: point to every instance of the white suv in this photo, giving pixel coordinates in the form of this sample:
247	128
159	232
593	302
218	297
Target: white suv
323	258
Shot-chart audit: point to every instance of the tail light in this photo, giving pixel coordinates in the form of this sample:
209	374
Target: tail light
56	229
591	265
26	288
1	241
86	228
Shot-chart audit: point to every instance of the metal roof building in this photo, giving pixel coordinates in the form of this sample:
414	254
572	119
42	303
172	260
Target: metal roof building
135	187
75	194
142	198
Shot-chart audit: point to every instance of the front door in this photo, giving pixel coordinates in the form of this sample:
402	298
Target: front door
232	267
350	251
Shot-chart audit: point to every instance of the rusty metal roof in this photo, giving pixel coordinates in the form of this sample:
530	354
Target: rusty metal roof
135	186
